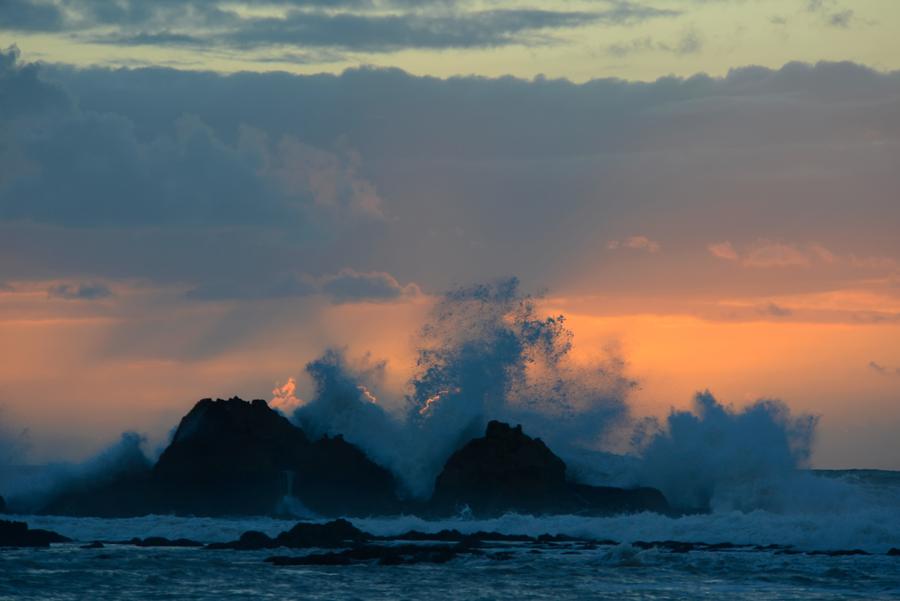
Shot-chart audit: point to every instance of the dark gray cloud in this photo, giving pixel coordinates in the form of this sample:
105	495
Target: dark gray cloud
226	183
30	15
82	291
85	168
352	286
349	25
387	33
346	286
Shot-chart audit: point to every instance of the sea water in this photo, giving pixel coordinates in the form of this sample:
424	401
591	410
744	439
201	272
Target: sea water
560	571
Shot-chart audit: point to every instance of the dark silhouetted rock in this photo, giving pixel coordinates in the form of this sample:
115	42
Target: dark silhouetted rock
335	478
339	533
18	534
839	552
457	536
94	545
249	541
334	534
232	458
506	470
503	471
894	552
228	457
239	458
160	541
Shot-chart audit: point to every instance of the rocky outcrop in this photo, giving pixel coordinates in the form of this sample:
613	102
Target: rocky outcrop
232	457
18	534
334	534
507	470
228	457
235	457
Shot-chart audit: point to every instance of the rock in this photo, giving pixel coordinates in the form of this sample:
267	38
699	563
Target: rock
457	536
238	458
94	545
18	534
338	533
608	500
160	541
839	552
506	470
249	541
894	552
334	534
228	458
335	478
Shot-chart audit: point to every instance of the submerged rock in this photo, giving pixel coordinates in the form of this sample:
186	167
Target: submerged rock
334	534
161	541
507	470
18	534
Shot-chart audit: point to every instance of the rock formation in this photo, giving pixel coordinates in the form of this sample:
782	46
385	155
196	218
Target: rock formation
231	457
18	534
235	457
506	470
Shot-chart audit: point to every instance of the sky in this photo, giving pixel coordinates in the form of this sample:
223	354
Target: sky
198	197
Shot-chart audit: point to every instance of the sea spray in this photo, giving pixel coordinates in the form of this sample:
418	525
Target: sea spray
485	354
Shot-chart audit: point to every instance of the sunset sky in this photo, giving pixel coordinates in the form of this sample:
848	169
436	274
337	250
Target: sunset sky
199	197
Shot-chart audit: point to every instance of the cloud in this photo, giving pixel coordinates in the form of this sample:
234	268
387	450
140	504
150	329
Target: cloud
225	183
348	25
85	168
353	286
84	291
690	42
30	15
883	370
775	310
831	13
346	286
723	250
765	254
635	243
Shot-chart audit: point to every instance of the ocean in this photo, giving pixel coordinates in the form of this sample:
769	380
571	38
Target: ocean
775	555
